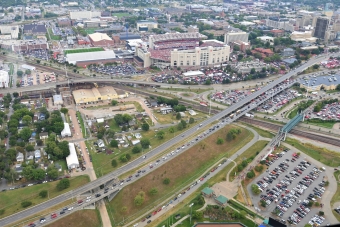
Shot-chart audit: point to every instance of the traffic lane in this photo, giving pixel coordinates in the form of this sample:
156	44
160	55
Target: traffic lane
227	111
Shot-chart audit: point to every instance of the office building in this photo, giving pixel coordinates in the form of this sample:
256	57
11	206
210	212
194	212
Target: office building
321	27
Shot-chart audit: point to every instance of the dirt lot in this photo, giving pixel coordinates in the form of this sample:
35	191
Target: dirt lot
178	170
79	219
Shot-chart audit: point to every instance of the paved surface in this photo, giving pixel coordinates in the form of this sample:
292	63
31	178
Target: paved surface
139	161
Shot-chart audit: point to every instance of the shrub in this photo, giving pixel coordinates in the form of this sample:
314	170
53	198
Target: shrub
136	149
63	184
258	168
25	204
321	213
114	163
219	141
43	193
250	174
2	211
166	181
153	191
255	189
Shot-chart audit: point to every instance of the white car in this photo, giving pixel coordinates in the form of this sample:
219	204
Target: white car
29	185
45	181
88	200
89	197
71	208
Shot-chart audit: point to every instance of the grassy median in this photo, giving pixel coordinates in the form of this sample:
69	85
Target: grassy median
181	171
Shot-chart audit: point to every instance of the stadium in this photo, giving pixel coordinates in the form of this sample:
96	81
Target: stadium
182	50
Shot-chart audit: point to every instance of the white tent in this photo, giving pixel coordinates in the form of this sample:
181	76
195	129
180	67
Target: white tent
32	68
66	131
72	159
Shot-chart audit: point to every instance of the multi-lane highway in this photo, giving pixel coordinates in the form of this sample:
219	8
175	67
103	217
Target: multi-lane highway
38	208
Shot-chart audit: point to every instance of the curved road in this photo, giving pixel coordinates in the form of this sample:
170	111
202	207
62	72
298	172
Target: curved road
185	135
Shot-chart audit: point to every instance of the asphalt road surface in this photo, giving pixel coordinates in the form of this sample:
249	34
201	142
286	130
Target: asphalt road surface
183	136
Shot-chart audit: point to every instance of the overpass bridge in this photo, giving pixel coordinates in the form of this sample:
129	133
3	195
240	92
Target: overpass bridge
241	107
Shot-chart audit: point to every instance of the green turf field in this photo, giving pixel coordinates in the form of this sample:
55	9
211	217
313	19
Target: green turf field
90	30
120	15
83	50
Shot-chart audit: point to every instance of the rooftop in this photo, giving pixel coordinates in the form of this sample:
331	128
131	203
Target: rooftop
99	37
222	199
97	55
207	191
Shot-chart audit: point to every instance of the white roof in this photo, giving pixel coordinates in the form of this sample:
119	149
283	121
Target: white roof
28	67
193	73
99	36
66	131
57	98
97	55
72	159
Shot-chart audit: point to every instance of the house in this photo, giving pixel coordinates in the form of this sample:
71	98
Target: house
37	155
289	61
29	156
35	118
139	116
101	143
287	52
58	100
207	192
66	131
18	168
221	200
153	103
182	114
20	157
132	122
135	142
166	110
41	117
192	112
264	52
277	32
72	160
138	135
43	135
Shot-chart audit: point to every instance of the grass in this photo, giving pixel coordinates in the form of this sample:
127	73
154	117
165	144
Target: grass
250	152
63	164
11	69
11	200
336	196
90	30
79	219
120	15
261	132
240	207
195	90
323	155
53	37
83	50
165	118
303	105
81	122
179	171
321	123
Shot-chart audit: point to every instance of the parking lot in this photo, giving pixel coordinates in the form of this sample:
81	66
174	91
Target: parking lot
230	97
329	112
289	186
39	54
279	100
116	70
37	78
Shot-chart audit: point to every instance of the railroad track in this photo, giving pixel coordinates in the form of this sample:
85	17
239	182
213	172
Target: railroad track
308	135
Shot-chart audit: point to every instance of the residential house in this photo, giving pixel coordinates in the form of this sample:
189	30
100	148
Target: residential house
20	157
37	155
18	168
101	143
139	116
264	52
138	135
289	61
166	110
29	156
277	32
42	116
35	118
135	142
287	52
153	103
43	135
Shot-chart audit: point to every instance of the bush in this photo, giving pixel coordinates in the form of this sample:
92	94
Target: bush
153	191
63	184
136	149
317	204
114	143
25	204
114	163
321	213
255	189
145	127
145	143
250	174
258	168
166	181
43	193
263	203
219	141
2	211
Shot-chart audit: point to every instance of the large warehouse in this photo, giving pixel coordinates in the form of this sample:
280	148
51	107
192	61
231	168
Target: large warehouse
324	82
85	96
4	79
101	40
84	59
72	159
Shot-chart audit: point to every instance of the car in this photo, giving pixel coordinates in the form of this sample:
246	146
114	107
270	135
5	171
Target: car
80	202
32	225
89	197
62	212
149	216
29	185
42	220
88	200
53	215
70	208
148	221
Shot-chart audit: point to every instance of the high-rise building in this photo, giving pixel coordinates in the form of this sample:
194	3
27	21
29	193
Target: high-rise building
321	27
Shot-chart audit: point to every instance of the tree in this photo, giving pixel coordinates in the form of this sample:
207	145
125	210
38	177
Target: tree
27	119
191	120
248	52
252	71
219	141
39	174
20	73
153	191
198	215
64	110
316	66
127	118
43	193
239	57
118	119
63	184
321	213
27	172
29	147
258	168
114	143
255	189
139	199
25	133
145	143
160	135
25	204
236	48
166	181
114	102
114	163
15	94
136	149
171	129
317	204
263	203
250	174
145	127
178	116
52	173
124	209
180	126
28	72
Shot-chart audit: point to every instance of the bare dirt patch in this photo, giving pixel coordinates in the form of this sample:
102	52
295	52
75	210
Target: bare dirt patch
78	219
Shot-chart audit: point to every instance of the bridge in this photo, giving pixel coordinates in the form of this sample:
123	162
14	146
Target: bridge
243	106
282	134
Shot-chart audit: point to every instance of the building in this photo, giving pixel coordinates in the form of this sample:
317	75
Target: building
35	29
221	224
93	95
11	30
263	52
321	27
326	83
265	39
221	200
66	131
4	79
77	15
43	135
37	155
100	40
207	192
236	35
85	59
72	160
20	157
277	32
280	23
245	67
193	29
64	22
305	36
287	52
58	100
145	25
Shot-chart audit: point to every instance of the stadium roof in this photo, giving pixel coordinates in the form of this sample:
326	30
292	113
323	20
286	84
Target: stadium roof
99	37
176	36
97	55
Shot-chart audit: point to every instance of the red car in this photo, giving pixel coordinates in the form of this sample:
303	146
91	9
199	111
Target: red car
155	212
53	215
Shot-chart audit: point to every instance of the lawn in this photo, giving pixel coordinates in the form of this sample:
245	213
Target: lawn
11	69
195	90
165	118
11	200
53	37
321	123
250	152
261	132
181	171
81	123
323	155
120	15
90	30
83	50
63	164
79	219
336	196
302	105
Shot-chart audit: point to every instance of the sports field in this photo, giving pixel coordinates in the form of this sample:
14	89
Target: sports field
83	50
90	30
120	15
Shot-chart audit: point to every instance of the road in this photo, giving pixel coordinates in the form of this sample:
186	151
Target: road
137	162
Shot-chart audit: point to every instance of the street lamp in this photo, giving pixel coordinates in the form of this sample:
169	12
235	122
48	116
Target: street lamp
191	211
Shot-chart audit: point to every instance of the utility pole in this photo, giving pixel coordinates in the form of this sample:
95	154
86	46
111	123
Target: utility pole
191	211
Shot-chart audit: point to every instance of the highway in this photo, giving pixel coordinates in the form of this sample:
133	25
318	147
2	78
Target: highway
183	136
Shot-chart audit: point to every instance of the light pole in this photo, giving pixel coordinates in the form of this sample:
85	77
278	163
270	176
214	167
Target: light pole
191	211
